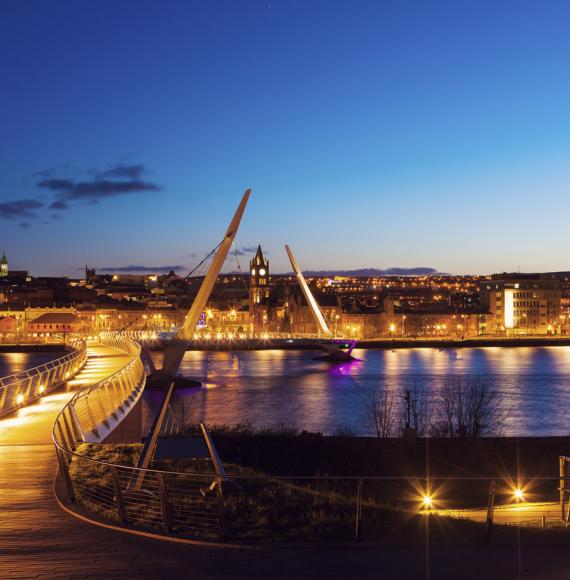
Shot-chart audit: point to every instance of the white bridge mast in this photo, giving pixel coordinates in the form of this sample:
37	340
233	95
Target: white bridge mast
313	306
174	352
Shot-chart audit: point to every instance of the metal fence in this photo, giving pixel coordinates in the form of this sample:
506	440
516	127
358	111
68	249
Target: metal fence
170	499
25	387
564	490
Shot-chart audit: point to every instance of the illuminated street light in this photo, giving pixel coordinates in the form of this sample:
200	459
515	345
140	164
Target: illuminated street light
519	495
427	502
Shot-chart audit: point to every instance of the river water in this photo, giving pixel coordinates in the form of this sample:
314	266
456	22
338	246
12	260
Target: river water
271	387
15	362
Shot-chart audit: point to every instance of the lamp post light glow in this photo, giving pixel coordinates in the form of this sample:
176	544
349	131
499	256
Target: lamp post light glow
427	502
519	494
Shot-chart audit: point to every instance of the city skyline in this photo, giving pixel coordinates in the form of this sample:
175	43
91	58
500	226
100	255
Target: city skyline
374	136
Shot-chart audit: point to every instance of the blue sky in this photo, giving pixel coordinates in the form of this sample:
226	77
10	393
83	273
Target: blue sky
374	134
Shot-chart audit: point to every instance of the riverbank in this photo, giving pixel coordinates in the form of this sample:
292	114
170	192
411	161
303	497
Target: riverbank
482	341
312	453
32	348
376	343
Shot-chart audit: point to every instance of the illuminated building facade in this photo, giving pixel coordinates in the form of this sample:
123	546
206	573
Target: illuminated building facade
4	266
524	304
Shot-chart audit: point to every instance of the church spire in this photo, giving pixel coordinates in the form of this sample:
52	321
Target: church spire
259	259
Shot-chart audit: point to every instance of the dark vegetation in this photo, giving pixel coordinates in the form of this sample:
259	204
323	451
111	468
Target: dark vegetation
463	408
285	505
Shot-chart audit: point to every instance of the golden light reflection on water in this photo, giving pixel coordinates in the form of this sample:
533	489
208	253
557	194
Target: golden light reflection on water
271	387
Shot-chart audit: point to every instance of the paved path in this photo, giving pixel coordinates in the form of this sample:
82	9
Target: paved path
39	540
530	513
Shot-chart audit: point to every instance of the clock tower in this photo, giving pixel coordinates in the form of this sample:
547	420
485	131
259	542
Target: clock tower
258	289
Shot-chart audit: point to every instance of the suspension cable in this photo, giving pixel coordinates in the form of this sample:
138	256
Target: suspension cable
193	270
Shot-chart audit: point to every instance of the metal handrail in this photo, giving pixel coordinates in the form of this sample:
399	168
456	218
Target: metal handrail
126	383
24	387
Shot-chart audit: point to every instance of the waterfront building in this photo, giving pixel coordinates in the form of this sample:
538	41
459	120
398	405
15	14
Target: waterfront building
523	304
299	315
8	325
224	320
56	323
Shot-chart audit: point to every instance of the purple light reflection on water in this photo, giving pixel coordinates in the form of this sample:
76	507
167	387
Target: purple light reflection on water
272	387
345	368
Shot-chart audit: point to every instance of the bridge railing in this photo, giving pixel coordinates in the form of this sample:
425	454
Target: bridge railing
27	386
93	412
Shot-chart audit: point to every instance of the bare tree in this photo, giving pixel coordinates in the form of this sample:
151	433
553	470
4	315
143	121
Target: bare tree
467	408
380	414
415	412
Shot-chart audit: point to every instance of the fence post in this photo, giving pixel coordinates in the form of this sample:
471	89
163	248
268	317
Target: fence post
563	490
357	528
164	505
64	470
220	497
121	510
76	422
490	509
69	432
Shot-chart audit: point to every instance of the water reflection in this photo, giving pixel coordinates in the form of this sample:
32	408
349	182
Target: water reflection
15	362
271	387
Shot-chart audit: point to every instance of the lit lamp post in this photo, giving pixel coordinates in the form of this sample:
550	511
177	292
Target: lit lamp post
392	330
403	325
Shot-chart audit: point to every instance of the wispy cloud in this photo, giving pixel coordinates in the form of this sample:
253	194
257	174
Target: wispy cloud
139	268
117	180
22	208
245	250
122	171
95	190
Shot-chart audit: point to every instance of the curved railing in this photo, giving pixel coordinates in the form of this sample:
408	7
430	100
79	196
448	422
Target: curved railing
27	386
93	412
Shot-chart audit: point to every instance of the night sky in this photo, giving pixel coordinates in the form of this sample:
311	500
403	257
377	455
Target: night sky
373	134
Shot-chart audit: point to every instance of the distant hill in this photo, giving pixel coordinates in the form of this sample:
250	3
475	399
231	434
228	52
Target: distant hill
376	272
